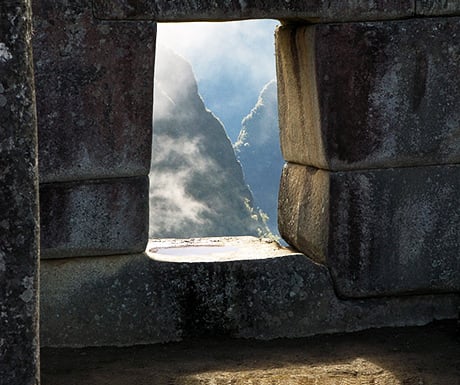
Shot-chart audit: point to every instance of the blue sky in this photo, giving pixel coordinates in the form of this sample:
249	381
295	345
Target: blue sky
232	62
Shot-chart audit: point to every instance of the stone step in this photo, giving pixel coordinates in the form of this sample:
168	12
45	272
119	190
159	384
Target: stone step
245	288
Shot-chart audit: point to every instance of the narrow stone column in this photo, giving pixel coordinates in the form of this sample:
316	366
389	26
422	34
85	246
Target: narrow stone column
369	120
19	250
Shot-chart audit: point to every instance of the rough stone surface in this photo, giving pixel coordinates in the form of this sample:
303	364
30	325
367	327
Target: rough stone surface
367	95
94	84
223	10
437	7
19	249
380	232
94	217
137	299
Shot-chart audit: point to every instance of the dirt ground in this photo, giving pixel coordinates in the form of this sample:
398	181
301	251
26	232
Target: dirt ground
406	356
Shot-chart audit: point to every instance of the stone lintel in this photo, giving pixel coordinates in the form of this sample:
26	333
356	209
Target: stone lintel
224	10
380	232
370	95
19	246
94	84
143	299
91	218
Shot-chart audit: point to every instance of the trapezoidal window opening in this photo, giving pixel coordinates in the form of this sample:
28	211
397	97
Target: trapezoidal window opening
216	159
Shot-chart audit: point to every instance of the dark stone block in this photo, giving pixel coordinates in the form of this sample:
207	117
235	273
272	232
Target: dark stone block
94	84
370	95
437	7
222	10
94	217
380	232
19	248
126	300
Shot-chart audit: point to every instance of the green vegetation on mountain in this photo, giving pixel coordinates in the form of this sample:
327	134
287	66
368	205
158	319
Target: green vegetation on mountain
258	150
196	184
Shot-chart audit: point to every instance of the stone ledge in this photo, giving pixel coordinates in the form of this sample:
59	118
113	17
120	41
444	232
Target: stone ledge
135	299
216	249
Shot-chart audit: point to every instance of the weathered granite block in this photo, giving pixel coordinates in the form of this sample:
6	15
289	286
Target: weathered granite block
126	300
437	7
380	232
94	84
368	95
99	217
19	248
224	10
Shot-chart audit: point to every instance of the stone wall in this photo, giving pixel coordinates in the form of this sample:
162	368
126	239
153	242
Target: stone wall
369	120
369	126
369	129
245	288
94	101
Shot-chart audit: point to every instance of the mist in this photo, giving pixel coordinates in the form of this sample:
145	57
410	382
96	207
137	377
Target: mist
197	187
232	62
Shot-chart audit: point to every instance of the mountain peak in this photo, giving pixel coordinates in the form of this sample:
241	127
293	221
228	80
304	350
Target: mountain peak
197	185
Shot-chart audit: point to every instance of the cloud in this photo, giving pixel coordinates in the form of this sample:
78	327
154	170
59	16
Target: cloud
232	61
187	149
174	203
213	46
172	207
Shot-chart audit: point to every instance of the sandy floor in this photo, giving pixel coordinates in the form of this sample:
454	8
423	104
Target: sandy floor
408	356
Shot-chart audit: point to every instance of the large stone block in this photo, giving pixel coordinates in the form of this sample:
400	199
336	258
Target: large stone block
94	84
19	248
224	10
380	232
94	217
437	7
261	293
369	95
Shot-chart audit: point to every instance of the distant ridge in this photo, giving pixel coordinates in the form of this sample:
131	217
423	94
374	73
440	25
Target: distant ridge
258	150
196	184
